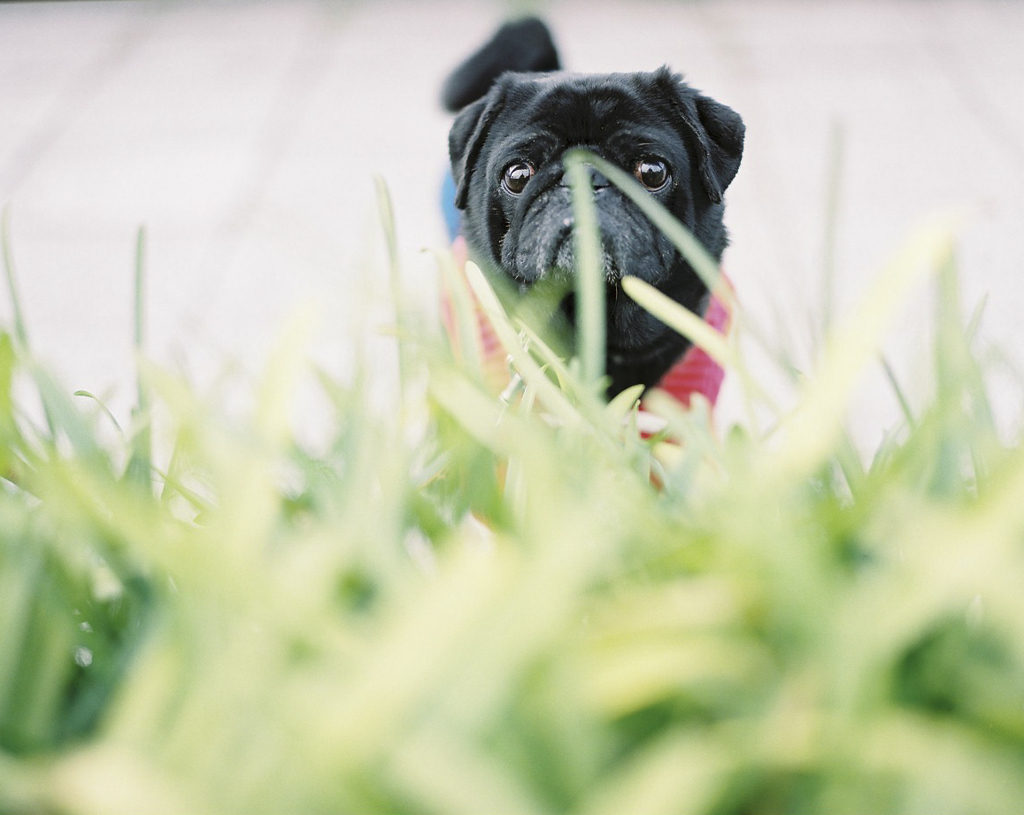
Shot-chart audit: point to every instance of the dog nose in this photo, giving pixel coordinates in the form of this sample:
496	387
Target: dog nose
597	181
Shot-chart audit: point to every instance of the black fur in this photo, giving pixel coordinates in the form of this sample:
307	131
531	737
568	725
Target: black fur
523	45
623	118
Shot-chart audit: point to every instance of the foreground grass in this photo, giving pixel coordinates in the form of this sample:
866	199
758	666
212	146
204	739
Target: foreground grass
466	606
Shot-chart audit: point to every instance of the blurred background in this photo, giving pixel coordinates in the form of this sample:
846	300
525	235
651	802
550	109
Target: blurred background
245	136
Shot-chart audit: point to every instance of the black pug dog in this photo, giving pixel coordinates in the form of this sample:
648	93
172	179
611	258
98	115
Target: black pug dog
519	114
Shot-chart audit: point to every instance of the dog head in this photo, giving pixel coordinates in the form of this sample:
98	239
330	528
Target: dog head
507	152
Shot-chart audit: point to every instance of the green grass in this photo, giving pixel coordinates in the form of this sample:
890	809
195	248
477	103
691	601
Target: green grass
466	606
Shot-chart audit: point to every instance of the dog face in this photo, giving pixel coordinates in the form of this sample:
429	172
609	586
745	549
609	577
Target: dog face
507	153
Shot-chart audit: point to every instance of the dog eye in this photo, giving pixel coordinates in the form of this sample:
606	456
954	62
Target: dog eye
515	177
652	172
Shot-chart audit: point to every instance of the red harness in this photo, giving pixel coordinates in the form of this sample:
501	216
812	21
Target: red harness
696	372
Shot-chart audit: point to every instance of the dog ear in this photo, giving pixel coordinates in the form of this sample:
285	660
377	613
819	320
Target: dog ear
725	131
718	130
467	136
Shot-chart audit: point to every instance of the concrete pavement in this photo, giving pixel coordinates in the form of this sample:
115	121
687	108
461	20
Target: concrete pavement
245	136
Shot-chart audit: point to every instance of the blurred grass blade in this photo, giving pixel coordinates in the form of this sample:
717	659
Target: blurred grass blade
386	214
624	402
479	414
140	296
830	240
589	278
553	398
974	323
526	607
694	328
675	776
681	319
8	361
484	783
951	353
683	239
462	313
102	406
20	331
897	389
9	436
140	462
64	417
548	357
281	378
815	426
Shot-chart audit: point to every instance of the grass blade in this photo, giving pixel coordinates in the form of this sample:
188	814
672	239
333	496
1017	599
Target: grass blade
553	398
462	315
683	239
833	195
20	331
897	389
139	469
387	219
680	319
590	282
817	423
102	406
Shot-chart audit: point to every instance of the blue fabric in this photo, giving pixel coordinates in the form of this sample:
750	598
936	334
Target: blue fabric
452	216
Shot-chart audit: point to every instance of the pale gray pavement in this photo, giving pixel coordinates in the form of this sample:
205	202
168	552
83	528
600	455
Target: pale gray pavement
245	136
